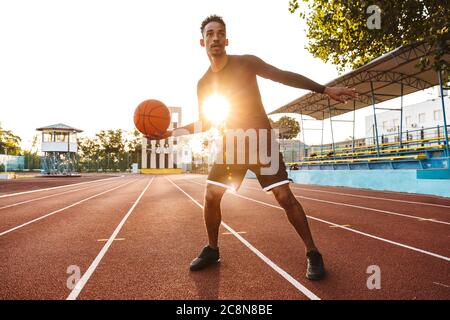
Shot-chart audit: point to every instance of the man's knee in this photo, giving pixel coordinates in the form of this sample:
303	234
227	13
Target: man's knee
284	197
213	195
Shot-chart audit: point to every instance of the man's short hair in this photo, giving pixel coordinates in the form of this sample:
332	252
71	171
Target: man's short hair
212	18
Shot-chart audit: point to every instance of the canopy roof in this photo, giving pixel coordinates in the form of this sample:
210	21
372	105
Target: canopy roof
59	127
386	73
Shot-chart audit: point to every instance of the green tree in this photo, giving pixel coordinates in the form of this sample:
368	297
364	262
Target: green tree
32	160
112	147
9	141
288	127
109	150
133	144
89	154
338	29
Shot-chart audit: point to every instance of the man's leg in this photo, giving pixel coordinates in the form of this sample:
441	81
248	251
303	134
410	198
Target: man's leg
212	213
295	214
315	269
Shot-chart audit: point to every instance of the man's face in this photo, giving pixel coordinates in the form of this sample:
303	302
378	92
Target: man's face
214	39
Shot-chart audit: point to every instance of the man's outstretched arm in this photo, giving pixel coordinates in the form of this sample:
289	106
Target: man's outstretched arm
296	80
195	127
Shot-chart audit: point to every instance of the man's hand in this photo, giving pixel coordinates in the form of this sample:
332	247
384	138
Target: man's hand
341	94
161	136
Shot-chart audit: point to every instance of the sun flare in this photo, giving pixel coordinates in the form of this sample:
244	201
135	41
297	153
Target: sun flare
216	109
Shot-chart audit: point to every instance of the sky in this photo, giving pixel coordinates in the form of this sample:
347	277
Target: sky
89	63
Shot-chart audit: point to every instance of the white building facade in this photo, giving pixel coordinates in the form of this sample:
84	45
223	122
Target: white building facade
421	120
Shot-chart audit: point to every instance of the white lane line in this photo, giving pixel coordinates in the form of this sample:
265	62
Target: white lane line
52	195
355	231
359	207
346	228
375	210
85	278
53	188
59	210
240	232
368	197
275	267
117	239
371	197
441	284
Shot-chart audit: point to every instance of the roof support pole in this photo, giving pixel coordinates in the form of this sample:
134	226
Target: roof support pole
441	90
375	118
304	141
331	124
321	139
401	116
353	136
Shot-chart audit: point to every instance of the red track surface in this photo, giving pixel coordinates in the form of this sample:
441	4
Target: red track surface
44	232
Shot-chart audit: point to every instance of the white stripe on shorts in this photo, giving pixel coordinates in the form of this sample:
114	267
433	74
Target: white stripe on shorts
275	185
220	184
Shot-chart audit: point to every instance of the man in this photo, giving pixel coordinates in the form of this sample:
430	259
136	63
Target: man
234	77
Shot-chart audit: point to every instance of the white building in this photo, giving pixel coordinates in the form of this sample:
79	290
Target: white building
59	138
421	120
59	146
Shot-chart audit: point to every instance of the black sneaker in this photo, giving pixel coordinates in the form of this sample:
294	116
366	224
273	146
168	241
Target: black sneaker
315	269
207	257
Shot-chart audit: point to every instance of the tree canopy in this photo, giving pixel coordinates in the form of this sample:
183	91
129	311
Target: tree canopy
110	150
289	127
9	141
339	30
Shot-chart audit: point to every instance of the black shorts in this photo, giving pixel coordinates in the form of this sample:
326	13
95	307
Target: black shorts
231	175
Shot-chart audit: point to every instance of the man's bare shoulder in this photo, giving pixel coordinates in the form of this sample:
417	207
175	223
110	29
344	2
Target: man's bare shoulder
251	61
249	58
203	79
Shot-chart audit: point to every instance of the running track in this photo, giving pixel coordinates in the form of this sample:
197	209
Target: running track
133	237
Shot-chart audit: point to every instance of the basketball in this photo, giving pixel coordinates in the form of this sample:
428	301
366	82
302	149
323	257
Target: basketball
152	117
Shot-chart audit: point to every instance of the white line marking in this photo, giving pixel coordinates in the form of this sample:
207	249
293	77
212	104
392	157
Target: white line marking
440	284
348	229
52	188
103	240
84	279
280	271
430	219
59	210
358	207
227	233
371	197
52	195
356	231
376	210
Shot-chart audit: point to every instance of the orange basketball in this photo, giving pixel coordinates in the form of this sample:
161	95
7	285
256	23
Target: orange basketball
152	117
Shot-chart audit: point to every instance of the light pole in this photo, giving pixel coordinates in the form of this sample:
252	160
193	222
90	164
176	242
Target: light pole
68	149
